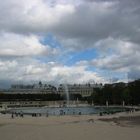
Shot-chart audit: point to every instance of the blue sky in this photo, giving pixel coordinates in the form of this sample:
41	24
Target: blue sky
83	55
67	41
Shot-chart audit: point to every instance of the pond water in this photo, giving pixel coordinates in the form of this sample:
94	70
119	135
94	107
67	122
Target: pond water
67	110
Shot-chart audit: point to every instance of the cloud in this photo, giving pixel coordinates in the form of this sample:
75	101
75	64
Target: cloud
5	66
30	70
123	55
111	27
116	56
134	74
30	16
20	45
77	25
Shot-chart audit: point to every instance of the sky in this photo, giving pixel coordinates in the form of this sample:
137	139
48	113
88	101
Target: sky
69	41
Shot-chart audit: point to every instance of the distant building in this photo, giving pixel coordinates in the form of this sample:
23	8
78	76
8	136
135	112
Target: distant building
31	89
84	90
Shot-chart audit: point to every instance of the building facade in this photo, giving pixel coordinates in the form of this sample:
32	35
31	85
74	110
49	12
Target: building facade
84	90
31	89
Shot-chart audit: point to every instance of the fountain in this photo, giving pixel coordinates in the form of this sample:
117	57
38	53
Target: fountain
67	94
123	103
77	102
107	103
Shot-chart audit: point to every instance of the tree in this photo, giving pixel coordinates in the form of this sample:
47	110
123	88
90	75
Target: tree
126	96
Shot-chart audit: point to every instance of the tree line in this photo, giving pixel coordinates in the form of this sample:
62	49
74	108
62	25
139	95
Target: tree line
117	93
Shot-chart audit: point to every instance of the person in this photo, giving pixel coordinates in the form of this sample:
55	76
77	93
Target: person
12	115
21	114
101	114
79	113
47	114
61	112
16	114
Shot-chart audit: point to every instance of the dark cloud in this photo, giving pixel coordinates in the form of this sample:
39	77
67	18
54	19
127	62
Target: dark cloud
95	21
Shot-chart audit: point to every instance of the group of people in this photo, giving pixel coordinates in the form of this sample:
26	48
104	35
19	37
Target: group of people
15	114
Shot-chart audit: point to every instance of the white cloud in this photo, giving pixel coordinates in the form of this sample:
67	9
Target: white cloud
32	70
7	65
117	55
21	45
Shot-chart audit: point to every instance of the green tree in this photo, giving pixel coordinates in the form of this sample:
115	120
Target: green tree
126	96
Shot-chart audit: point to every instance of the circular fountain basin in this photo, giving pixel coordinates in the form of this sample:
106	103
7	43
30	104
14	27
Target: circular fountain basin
67	110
